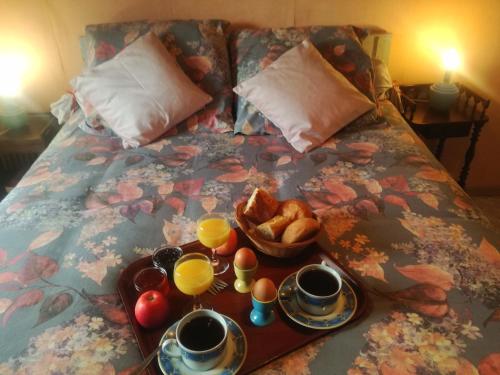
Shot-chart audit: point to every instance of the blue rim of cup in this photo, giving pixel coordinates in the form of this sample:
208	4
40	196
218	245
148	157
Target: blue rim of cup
206	352
331	271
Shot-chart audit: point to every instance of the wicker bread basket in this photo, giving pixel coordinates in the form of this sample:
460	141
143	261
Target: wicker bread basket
272	248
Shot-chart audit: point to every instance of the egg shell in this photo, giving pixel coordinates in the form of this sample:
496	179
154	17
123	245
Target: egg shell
264	290
245	259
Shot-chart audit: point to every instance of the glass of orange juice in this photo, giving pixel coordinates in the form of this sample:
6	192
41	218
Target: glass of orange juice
193	275
213	231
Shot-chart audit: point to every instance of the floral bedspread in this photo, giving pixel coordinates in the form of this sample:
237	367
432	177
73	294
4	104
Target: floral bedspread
392	215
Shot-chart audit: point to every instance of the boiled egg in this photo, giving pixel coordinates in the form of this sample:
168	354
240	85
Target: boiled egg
245	259
264	290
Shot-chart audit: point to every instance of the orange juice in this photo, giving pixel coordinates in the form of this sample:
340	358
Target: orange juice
194	276
213	232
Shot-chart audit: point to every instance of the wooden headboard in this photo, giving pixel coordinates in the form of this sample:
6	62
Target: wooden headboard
377	44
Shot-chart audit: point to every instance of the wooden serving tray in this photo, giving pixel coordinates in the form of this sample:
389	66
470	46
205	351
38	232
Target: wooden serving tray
265	344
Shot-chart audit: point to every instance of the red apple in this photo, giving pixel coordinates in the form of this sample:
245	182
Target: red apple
151	309
230	246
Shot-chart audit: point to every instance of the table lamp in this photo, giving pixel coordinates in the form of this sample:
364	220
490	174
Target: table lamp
12	68
444	94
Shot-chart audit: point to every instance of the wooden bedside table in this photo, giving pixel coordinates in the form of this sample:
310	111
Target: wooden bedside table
465	119
19	148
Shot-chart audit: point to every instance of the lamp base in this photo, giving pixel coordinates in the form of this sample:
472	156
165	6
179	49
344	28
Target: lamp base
12	115
442	96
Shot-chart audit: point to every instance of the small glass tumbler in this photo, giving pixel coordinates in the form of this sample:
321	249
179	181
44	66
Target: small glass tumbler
165	257
152	278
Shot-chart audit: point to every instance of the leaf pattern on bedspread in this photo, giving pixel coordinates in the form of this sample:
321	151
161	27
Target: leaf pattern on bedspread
87	208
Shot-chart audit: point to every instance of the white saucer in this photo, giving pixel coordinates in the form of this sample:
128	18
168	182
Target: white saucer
343	312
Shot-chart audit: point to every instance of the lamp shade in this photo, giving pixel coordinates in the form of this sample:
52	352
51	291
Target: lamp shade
12	69
451	60
443	95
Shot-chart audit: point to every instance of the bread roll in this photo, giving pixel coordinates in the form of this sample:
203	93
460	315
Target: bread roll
272	229
300	230
261	206
294	209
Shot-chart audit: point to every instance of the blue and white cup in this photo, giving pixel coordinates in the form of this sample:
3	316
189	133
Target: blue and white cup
198	360
309	300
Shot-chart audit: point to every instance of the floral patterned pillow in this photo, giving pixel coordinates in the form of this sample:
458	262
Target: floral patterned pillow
254	49
200	50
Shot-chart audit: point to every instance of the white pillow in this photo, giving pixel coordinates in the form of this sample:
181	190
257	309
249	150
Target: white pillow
142	92
304	96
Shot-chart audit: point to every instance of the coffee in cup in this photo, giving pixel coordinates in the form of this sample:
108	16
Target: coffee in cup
200	341
201	333
318	289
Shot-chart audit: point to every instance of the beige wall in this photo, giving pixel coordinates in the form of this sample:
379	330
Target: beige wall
48	30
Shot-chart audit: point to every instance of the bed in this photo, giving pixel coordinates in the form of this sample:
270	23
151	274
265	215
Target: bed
392	215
